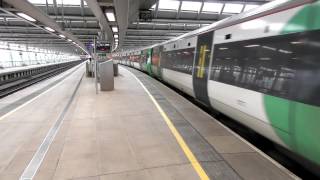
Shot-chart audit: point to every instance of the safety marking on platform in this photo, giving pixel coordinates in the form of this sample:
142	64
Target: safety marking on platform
185	148
38	157
36	97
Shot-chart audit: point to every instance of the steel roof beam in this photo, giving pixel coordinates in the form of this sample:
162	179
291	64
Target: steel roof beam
29	9
82	29
157	30
79	18
25	34
142	40
149	37
37	42
182	21
104	25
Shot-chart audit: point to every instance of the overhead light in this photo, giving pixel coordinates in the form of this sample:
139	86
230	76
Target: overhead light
223	48
115	29
29	18
296	42
49	29
110	16
252	45
74	43
61	35
116	36
69	40
117	40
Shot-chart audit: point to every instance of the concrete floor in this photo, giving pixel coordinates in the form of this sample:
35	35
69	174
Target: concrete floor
121	135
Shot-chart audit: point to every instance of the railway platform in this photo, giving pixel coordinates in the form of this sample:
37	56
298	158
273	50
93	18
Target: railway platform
141	130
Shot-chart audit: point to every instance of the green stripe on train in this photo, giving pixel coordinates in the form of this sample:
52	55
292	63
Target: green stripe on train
306	19
297	124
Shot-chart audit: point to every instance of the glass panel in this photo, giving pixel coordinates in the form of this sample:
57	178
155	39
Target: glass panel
232	8
40	1
169	4
212	7
190	6
249	7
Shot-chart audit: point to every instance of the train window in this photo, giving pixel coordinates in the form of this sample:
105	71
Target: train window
228	36
179	60
281	66
189	44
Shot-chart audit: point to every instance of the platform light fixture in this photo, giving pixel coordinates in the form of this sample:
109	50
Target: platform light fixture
61	35
49	29
69	40
110	15
24	16
115	29
116	36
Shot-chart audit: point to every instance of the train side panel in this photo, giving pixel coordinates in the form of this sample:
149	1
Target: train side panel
261	77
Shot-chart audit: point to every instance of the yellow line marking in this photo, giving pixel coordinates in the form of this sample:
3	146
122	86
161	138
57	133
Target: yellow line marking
193	160
36	97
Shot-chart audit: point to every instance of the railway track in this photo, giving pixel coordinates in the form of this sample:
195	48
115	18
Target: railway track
28	80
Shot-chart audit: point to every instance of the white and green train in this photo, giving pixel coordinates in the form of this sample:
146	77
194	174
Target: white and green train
261	68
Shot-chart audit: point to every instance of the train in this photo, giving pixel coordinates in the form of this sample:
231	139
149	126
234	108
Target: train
260	67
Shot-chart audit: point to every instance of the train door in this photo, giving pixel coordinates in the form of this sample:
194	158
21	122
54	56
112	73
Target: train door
149	56
201	67
155	61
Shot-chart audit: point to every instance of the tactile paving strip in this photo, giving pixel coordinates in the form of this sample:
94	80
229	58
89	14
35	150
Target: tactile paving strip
214	165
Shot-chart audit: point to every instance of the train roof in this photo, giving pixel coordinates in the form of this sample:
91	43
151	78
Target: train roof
266	9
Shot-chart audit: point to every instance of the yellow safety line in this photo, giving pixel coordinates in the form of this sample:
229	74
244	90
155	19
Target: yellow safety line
193	160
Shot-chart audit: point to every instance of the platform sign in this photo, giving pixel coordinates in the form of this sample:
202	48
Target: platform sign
103	49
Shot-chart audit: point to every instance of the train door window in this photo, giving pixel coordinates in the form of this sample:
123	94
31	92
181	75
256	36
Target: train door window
179	60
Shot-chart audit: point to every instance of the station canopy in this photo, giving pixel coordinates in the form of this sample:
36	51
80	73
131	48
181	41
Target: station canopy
74	25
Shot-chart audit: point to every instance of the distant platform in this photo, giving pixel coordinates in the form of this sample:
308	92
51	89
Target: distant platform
20	68
141	130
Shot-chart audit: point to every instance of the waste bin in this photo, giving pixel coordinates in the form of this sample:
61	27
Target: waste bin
106	76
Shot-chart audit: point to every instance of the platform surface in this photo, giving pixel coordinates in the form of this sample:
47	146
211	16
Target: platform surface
121	134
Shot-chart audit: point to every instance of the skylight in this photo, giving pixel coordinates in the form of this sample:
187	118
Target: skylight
169	4
153	7
232	8
190	6
250	6
59	2
71	2
40	1
212	7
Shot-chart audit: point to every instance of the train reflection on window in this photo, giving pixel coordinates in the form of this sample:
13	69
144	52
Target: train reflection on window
286	66
178	60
